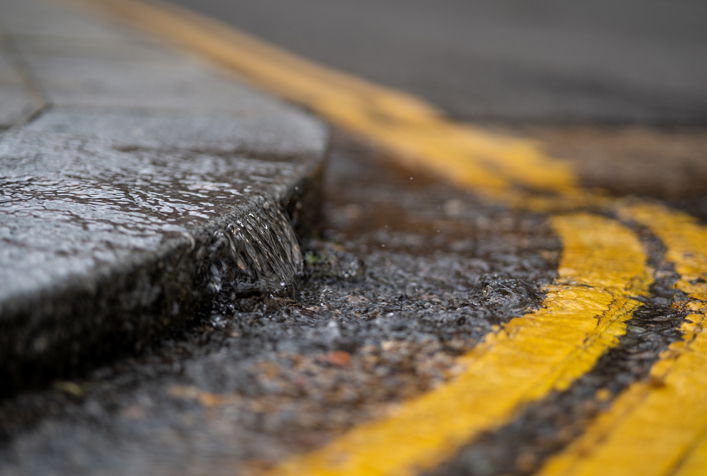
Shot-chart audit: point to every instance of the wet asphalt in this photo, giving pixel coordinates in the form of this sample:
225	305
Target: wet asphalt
406	274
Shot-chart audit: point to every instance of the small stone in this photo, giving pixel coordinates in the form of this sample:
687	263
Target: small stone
339	358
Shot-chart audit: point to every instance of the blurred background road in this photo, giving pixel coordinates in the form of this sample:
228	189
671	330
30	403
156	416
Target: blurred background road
549	61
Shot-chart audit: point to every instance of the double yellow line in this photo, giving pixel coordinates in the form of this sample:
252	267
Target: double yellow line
650	429
584	313
657	427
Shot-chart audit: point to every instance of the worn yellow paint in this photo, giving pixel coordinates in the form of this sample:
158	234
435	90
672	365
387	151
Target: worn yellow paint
602	266
652	426
657	427
413	131
685	240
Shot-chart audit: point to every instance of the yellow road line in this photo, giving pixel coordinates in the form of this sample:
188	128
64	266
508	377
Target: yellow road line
603	264
685	239
415	132
657	427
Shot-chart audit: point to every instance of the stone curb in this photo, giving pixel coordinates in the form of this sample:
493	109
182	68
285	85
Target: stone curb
139	189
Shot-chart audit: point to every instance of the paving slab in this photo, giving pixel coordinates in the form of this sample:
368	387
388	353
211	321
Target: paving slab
16	98
15	103
267	133
99	48
35	18
98	82
149	188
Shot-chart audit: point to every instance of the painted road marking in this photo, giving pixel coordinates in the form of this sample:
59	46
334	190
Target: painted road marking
653	427
602	266
685	239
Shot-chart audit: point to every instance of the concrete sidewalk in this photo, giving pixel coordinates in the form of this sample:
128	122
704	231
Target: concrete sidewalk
138	186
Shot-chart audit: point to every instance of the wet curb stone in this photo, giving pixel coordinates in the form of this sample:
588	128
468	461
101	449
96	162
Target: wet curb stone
137	186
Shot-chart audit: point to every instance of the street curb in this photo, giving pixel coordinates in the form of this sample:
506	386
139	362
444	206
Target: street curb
64	324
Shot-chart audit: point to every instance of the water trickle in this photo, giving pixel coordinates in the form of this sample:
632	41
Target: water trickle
262	248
